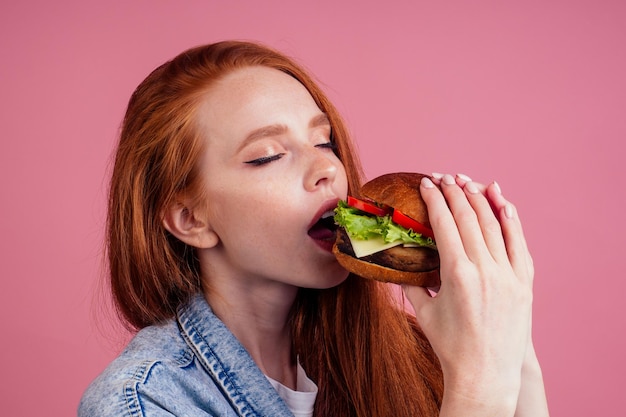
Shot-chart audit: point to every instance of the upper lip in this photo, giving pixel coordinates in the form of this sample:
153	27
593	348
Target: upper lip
326	207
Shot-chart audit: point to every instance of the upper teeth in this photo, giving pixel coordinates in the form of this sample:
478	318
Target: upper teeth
328	214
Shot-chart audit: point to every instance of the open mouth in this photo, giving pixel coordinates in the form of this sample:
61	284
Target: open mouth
324	228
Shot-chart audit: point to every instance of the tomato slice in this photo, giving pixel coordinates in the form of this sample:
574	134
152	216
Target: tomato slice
408	223
368	207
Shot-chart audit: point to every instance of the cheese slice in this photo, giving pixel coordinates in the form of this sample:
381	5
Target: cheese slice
367	247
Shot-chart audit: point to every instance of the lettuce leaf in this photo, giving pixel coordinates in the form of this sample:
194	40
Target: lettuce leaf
365	226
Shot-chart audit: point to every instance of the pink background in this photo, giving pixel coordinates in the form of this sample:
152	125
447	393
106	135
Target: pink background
532	94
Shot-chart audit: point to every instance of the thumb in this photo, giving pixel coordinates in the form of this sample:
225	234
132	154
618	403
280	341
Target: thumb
418	297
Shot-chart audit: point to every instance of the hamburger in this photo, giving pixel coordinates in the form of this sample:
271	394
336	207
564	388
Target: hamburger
384	233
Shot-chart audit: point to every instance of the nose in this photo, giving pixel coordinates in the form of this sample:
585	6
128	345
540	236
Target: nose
322	169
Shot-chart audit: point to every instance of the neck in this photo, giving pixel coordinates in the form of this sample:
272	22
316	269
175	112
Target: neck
257	314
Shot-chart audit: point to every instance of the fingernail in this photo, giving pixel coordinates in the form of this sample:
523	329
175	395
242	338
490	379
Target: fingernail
508	211
427	183
464	177
471	188
498	189
448	179
437	175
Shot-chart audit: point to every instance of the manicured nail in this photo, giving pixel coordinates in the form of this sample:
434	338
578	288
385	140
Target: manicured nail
498	189
464	177
448	179
427	183
471	188
508	211
437	175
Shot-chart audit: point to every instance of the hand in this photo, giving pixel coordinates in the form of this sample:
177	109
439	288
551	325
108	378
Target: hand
532	399
479	321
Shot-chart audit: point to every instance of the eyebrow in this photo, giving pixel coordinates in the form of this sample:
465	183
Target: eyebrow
279	129
319	120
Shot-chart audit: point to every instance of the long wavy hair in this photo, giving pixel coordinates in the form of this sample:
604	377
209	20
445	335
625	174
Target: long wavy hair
367	356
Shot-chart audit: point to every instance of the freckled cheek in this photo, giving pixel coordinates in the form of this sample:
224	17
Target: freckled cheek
229	214
250	217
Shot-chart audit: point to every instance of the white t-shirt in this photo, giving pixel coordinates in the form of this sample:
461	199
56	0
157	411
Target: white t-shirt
301	401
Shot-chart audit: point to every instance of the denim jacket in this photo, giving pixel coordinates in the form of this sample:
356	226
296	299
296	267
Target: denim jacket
188	366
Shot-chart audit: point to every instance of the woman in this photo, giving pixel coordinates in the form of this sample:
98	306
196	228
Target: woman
229	157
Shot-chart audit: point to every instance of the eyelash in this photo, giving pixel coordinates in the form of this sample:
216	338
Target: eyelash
327	145
267	159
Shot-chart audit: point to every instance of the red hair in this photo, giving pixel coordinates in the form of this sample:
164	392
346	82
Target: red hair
366	355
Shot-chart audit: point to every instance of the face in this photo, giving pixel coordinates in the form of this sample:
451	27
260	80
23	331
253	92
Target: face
270	175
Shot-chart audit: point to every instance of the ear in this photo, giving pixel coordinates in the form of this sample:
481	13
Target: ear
189	227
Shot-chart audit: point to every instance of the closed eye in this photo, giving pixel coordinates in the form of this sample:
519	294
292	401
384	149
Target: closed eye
265	159
327	145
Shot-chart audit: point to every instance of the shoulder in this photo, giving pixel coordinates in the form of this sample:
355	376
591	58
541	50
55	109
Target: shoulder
143	377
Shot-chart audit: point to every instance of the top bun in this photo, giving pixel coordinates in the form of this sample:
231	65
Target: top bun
400	190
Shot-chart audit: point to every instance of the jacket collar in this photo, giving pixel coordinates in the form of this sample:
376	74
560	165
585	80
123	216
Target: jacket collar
228	362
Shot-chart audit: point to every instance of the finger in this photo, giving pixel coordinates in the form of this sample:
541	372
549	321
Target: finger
462	179
436	177
421	300
443	224
489	223
512	231
466	220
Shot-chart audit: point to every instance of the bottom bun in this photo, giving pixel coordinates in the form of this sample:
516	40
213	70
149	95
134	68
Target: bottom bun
381	273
